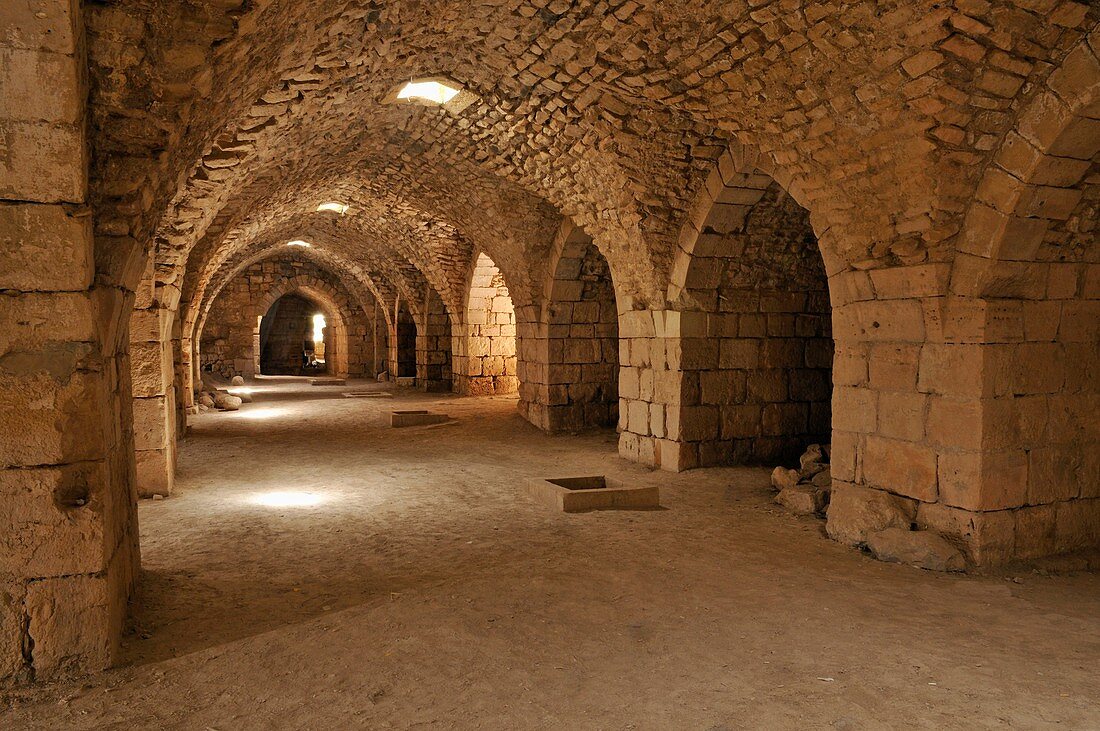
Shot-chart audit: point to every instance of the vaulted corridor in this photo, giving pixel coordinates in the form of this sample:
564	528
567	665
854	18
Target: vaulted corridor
299	579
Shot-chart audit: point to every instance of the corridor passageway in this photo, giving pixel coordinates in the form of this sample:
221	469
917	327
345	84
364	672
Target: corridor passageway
318	569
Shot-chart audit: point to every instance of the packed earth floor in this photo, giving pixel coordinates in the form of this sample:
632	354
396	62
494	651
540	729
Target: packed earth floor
317	569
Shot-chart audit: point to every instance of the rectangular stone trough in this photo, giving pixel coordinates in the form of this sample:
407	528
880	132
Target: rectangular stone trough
578	494
328	382
415	418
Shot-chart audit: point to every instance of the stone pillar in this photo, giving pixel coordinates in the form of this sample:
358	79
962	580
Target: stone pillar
153	371
67	529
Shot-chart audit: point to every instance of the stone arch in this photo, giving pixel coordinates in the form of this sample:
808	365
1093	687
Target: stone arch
484	360
574	374
749	345
321	294
1022	478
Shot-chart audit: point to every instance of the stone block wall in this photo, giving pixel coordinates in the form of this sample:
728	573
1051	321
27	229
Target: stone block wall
739	371
484	359
68	543
229	338
569	353
433	345
152	370
283	332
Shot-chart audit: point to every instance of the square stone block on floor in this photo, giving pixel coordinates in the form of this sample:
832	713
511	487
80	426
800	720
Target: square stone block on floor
418	417
328	382
579	494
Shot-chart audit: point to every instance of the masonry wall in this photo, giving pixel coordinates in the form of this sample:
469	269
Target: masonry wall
153	343
229	338
484	359
756	348
282	340
68	543
570	360
433	346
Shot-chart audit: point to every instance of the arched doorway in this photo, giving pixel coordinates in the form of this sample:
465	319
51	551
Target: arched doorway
582	340
295	338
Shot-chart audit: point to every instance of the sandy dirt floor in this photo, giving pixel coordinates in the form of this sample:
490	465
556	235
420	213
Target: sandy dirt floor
413	584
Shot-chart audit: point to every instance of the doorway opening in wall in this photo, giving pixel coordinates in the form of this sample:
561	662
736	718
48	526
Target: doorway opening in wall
406	342
294	338
756	331
583	341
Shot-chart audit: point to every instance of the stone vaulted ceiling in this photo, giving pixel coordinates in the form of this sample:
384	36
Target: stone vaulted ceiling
220	125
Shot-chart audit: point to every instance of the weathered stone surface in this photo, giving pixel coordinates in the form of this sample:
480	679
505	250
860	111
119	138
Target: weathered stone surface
226	402
923	549
69	625
856	512
823	480
237	381
783	478
803	499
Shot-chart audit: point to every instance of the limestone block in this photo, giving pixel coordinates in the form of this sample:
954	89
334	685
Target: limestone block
905	468
48	25
986	538
50	411
11	631
803	499
155	472
151	423
39	86
69	624
51	520
783	478
580	494
923	549
44	163
856	512
45	247
226	402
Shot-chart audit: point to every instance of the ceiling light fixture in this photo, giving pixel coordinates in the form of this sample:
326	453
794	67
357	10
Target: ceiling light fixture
432	91
333	207
298	242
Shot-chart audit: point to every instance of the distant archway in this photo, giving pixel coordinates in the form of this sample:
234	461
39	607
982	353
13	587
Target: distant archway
294	338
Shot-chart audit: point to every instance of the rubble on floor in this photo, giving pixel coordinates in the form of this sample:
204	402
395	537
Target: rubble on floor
875	520
806	490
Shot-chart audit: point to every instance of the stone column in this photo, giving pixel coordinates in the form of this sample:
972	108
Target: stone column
152	370
67	529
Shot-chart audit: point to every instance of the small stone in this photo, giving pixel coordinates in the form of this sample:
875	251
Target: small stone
237	381
803	499
813	455
206	400
226	402
923	549
783	478
856	512
823	480
244	397
157	496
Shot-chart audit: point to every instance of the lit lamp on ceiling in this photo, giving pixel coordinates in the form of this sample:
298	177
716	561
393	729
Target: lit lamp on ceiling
299	242
333	207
